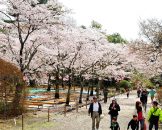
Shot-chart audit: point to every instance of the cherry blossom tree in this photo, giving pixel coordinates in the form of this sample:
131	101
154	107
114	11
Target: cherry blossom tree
24	30
28	29
147	51
146	59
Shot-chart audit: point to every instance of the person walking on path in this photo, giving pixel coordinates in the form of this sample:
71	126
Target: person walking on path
128	92
114	124
140	114
113	109
138	92
95	110
143	99
133	123
152	93
154	115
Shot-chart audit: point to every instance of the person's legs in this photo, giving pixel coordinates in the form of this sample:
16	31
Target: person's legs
93	121
127	95
156	126
142	124
144	106
97	120
152	98
150	126
116	117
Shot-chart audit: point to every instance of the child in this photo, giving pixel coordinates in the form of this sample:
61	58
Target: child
114	124
133	123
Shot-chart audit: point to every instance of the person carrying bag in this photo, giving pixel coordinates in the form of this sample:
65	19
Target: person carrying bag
154	116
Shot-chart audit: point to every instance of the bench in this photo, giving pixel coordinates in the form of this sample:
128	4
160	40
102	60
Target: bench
38	104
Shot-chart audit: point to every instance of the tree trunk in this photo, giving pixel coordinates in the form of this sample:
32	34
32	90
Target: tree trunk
106	83
105	91
81	91
49	83
91	92
88	93
69	89
57	86
72	81
98	88
62	81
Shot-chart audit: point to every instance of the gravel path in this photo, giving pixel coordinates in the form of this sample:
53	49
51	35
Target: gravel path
81	120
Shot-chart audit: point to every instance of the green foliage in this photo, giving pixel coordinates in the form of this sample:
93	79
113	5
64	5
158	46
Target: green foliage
124	84
2	30
43	1
9	21
122	90
116	38
148	83
6	109
157	80
83	26
140	78
96	25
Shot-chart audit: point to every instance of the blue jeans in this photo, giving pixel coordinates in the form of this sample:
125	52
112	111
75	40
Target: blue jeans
141	122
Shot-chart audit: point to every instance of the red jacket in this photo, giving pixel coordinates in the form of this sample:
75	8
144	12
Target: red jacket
140	116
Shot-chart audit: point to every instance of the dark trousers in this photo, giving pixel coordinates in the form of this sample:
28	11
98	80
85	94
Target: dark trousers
153	124
127	95
144	106
138	95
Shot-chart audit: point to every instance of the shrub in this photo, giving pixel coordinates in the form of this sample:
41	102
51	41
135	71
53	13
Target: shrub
124	84
148	84
12	89
122	90
159	95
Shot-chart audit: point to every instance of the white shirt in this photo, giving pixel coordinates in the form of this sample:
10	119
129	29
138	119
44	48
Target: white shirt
95	106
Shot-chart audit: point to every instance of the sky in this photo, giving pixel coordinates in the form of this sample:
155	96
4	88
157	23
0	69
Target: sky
122	16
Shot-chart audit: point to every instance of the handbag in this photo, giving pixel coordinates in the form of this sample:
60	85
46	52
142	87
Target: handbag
154	118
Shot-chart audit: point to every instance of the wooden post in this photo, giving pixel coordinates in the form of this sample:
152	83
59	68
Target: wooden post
15	121
76	106
65	110
86	103
34	111
22	122
48	114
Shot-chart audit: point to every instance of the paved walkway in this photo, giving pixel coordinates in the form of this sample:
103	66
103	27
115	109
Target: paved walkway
81	120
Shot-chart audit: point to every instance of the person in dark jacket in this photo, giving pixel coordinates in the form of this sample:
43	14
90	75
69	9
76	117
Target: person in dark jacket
114	124
113	109
143	99
128	92
133	123
138	92
95	110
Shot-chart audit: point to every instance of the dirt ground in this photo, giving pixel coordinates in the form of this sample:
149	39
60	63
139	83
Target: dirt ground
74	120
